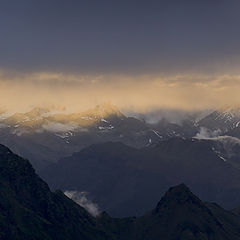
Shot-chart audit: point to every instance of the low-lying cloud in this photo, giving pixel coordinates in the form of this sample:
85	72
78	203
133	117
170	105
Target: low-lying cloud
207	134
82	199
59	127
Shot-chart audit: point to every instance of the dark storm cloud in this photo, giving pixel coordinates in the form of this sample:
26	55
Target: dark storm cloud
119	36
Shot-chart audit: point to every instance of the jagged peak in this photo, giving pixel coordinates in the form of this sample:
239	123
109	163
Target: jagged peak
177	196
233	111
103	111
107	109
179	189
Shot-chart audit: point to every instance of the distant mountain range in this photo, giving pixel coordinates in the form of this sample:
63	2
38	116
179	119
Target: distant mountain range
100	151
30	211
49	136
44	136
123	180
224	120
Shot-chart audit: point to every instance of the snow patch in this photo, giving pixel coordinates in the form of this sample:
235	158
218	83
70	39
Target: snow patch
222	158
87	118
105	128
157	133
104	120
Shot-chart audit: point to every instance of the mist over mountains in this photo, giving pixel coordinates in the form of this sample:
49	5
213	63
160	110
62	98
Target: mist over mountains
119	120
116	158
52	134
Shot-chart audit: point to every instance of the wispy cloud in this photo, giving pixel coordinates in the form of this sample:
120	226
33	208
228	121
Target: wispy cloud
81	198
59	127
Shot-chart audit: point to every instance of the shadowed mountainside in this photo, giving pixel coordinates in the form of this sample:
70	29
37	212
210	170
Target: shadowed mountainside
29	211
123	180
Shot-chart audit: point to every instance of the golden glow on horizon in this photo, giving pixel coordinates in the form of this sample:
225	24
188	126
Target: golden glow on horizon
19	92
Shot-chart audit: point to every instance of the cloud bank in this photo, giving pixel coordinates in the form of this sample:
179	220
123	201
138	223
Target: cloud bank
140	93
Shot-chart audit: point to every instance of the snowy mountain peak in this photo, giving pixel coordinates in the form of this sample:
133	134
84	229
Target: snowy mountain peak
224	119
105	110
229	113
39	119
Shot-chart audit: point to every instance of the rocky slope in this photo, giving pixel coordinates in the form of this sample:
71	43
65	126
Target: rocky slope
30	211
123	180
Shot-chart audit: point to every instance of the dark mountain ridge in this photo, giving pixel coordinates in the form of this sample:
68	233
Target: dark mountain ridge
30	211
119	177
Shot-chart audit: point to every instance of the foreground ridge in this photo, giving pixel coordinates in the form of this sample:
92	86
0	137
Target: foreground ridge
29	210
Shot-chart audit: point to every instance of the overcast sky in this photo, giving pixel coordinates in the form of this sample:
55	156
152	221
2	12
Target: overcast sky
119	35
121	42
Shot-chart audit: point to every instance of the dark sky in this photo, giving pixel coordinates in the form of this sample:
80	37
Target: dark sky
119	36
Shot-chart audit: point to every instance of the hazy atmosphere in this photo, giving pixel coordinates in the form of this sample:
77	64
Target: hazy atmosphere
119	119
139	55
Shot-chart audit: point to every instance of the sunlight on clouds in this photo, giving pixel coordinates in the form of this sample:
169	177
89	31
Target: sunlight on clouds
21	91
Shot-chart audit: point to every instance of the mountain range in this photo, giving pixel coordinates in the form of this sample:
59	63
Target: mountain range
29	211
123	179
44	135
114	158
